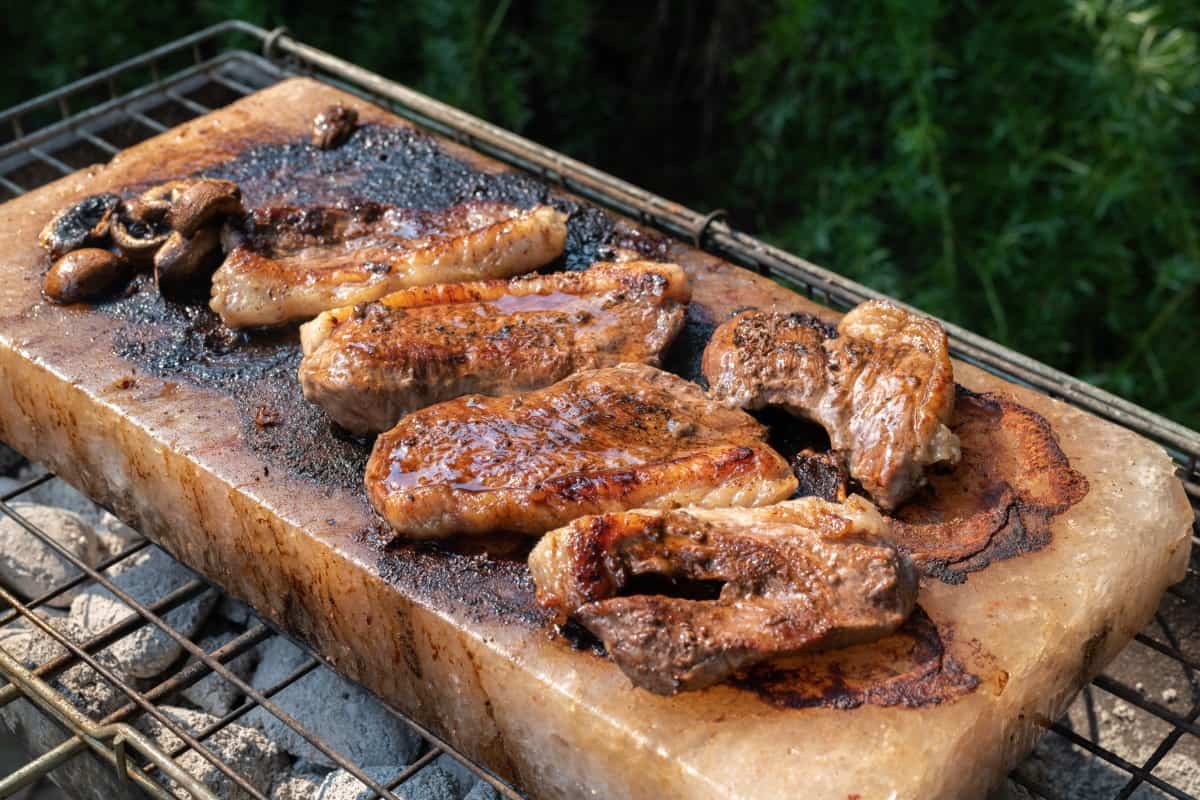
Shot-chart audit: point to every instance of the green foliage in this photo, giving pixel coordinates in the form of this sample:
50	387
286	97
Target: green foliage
1025	169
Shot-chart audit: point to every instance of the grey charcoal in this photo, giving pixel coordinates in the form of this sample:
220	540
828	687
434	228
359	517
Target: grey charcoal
463	776
297	787
347	718
247	751
431	783
147	576
213	693
32	567
60	494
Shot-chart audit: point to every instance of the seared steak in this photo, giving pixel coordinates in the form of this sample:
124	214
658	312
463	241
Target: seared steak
286	264
609	439
881	385
797	576
370	365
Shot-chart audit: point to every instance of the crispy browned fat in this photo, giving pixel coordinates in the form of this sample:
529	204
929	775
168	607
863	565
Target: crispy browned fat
684	598
881	385
288	264
370	365
629	436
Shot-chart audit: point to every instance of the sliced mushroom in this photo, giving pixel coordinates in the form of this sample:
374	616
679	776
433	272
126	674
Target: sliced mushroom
333	126
83	224
137	239
154	203
202	202
85	274
183	258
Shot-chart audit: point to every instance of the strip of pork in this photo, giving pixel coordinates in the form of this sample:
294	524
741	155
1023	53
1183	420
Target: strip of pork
630	436
369	365
881	385
289	264
794	577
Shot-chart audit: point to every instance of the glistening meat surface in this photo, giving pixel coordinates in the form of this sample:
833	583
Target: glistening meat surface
289	264
609	439
370	365
881	385
798	576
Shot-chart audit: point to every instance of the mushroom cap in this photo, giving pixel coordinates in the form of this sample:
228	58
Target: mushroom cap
182	258
137	239
82	224
84	274
202	201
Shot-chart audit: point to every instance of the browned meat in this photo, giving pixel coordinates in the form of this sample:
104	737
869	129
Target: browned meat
684	598
609	439
882	386
289	264
370	365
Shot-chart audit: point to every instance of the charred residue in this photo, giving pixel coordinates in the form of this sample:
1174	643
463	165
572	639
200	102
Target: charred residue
484	587
377	164
910	668
998	503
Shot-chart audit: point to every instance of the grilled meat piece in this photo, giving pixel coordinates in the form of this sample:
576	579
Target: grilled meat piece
882	386
797	576
370	365
286	264
630	436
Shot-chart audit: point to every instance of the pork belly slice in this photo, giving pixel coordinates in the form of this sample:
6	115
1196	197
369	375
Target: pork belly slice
370	365
881	385
629	436
287	264
786	579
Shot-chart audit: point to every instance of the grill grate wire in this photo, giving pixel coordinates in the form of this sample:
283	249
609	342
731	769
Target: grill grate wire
92	119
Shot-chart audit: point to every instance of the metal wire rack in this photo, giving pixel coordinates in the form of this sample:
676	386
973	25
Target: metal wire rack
94	118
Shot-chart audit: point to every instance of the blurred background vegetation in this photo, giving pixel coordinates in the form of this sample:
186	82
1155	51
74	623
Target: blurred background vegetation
1028	169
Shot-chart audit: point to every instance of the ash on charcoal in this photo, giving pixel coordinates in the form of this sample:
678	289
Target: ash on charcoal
431	783
482	791
83	686
212	693
147	576
346	717
247	751
30	566
297	787
114	535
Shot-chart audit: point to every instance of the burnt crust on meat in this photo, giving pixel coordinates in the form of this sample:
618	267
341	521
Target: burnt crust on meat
601	440
369	365
795	577
882	387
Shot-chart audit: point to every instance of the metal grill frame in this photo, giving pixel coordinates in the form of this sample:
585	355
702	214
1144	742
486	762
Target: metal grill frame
169	76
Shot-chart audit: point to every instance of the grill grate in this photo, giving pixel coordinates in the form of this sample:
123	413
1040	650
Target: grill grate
92	119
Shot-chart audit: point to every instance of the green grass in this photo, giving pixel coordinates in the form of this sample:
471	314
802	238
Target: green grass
1025	169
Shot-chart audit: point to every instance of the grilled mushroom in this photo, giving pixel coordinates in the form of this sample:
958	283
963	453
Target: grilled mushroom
333	126
137	239
201	202
182	258
84	224
85	274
